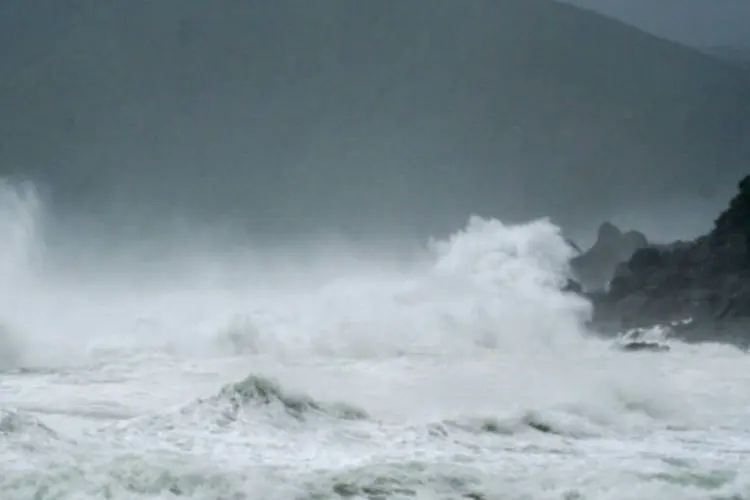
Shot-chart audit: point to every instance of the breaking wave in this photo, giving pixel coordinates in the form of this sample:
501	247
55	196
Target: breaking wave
257	392
487	300
489	286
461	371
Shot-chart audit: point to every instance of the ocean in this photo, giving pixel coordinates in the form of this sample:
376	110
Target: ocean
461	372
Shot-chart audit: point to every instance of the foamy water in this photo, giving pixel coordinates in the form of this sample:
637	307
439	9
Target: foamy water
465	373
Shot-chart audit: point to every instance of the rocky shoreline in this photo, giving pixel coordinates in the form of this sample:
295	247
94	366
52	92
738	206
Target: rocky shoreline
707	279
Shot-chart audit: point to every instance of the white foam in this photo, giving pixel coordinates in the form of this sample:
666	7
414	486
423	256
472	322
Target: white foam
490	285
459	357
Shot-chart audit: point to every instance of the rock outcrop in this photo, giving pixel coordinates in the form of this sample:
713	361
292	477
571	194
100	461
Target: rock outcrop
639	346
596	267
707	279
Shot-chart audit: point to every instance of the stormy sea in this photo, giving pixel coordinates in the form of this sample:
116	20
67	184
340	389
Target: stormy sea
458	369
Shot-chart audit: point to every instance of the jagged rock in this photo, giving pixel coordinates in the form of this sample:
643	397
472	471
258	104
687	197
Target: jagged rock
645	259
596	267
734	220
634	240
707	279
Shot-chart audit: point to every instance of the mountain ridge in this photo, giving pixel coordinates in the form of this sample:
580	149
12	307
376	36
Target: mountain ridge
525	96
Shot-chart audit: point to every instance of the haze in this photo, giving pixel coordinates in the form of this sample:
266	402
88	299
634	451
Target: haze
290	117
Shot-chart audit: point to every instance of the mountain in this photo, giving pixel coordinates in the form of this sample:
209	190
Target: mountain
697	23
733	54
362	115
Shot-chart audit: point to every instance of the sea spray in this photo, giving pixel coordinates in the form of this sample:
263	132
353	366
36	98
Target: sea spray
466	372
20	211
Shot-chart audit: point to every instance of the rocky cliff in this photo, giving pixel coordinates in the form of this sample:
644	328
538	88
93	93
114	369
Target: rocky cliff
596	267
707	279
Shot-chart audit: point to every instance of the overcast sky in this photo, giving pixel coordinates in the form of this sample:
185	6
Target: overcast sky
696	22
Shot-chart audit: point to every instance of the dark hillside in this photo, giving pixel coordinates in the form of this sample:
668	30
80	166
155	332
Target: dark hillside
370	114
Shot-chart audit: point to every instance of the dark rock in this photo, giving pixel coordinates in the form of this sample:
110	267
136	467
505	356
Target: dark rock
645	259
734	219
634	240
707	279
637	346
596	267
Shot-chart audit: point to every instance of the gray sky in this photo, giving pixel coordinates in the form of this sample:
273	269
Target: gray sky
695	22
290	115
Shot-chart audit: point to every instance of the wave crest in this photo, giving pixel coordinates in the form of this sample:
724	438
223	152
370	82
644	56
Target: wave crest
257	392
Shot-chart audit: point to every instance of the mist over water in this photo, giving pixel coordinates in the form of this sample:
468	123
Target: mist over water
469	290
366	362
